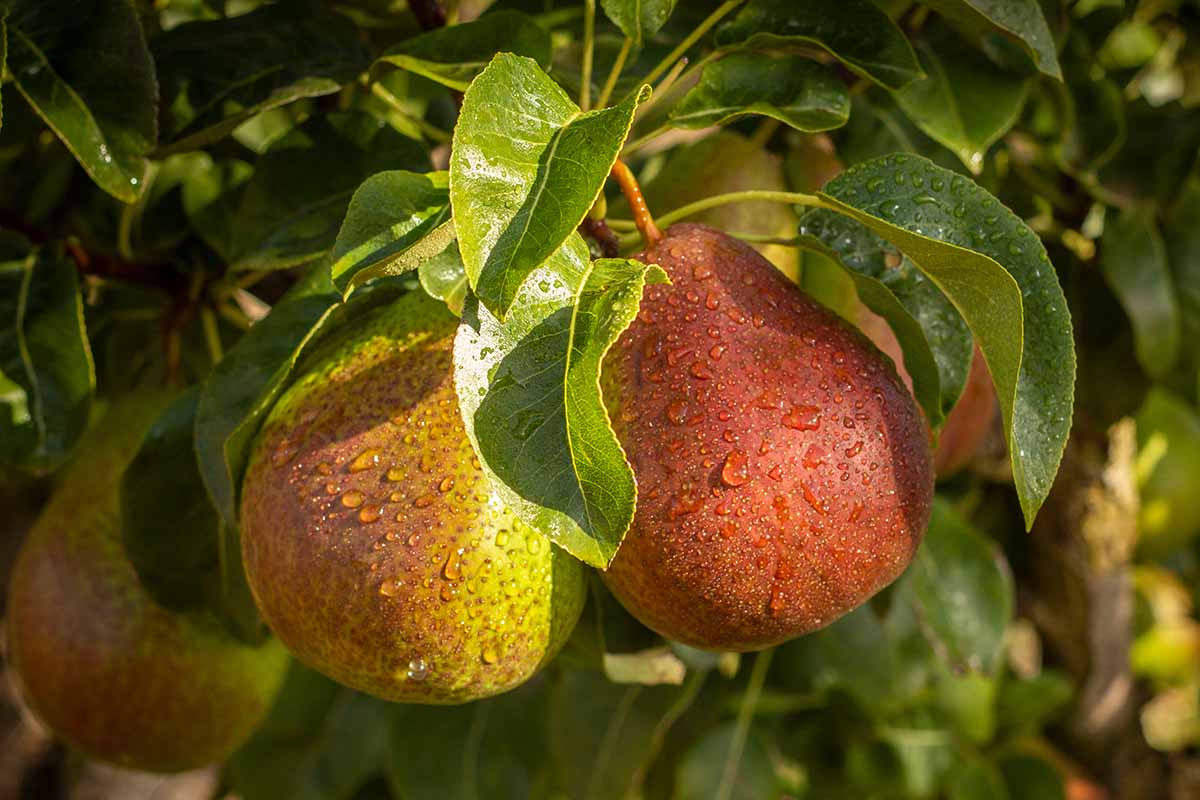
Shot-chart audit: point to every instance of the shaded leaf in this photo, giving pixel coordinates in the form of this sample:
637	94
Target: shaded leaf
292	207
215	75
529	391
1098	123
195	562
935	340
320	741
791	89
395	221
977	780
856	32
963	592
472	750
1182	238
525	168
453	56
965	102
242	387
1031	778
1134	262
85	69
45	361
638	19
1019	19
702	768
996	272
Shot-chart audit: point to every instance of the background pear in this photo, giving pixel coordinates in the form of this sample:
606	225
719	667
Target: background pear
104	666
373	542
784	471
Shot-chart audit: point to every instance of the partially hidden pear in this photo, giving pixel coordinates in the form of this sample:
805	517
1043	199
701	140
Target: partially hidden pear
373	542
100	662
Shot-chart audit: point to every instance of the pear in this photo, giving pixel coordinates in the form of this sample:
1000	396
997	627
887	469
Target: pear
105	667
374	544
784	471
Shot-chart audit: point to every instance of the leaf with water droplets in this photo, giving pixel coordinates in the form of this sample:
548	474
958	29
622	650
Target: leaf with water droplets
933	337
46	373
454	55
443	277
965	102
529	390
794	90
995	271
396	221
525	168
1134	262
62	58
856	32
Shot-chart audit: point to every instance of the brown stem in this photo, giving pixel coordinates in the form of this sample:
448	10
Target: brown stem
637	204
598	231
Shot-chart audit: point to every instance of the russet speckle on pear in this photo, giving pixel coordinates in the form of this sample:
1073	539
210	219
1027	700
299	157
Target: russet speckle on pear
101	663
784	471
374	544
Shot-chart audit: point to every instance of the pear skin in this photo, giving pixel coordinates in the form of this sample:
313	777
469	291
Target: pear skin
784	471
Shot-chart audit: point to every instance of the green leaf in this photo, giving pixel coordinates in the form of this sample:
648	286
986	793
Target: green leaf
965	102
86	71
936	342
856	32
996	272
791	89
638	19
1025	706
1134	262
320	741
1097	128
216	75
196	562
292	207
963	591
453	56
530	396
702	768
1031	778
443	277
242	387
977	780
470	751
45	360
396	221
525	168
1021	20
1182	235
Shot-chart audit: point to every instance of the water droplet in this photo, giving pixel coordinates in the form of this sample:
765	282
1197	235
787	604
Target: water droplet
370	514
365	460
776	473
353	499
446	484
452	569
501	538
701	370
803	418
389	588
395	474
490	656
324	468
854	449
446	593
813	456
736	469
424	501
701	272
677	411
533	543
712	302
418	670
811	498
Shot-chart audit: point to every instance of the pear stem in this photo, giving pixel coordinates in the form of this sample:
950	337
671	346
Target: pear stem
633	194
793	198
